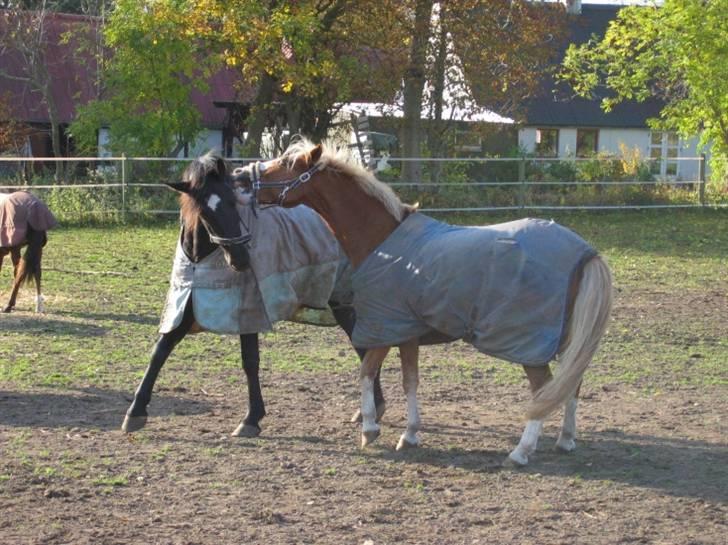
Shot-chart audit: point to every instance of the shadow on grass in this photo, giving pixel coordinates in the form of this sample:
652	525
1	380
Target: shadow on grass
109	316
41	324
87	408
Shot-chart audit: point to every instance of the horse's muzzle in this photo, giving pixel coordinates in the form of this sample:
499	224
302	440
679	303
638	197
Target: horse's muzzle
237	257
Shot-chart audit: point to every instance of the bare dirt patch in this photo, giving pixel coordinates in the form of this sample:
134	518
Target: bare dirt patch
648	469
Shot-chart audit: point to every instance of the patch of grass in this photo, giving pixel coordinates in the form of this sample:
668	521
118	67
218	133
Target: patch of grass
111	480
105	288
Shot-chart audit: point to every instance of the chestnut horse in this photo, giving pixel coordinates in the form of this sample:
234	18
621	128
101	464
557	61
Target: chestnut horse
211	219
367	218
24	220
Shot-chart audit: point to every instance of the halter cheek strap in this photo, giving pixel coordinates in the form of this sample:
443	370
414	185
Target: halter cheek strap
285	185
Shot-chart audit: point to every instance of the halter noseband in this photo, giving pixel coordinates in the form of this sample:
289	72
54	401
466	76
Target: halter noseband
232	241
285	185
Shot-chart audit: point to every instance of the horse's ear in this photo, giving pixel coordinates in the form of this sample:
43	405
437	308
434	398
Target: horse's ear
315	154
221	167
180	187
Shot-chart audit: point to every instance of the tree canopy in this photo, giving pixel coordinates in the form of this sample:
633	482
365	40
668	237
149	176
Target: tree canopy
677	52
155	63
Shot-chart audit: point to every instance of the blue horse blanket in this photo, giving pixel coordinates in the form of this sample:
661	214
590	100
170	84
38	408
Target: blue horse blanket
502	288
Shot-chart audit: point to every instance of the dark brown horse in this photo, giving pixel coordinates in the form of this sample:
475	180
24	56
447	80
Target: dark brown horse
24	220
211	220
519	299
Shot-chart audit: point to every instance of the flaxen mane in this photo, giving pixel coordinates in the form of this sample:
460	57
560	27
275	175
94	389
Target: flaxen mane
339	159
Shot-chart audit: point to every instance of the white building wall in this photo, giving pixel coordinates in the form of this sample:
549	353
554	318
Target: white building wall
609	142
209	139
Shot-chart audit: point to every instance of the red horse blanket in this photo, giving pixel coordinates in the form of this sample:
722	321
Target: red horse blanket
20	211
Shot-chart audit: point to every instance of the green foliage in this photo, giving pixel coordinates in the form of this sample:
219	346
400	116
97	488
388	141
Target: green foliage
676	52
156	64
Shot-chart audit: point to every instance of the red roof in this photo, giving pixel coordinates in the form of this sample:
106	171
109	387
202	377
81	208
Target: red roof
74	75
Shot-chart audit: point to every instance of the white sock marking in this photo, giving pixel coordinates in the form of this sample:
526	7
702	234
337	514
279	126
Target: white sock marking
368	409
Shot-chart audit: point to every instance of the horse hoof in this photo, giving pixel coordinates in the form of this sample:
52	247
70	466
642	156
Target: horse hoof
368	437
246	430
6	310
133	423
565	445
513	463
403	444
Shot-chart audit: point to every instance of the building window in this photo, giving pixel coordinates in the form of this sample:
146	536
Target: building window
664	153
587	142
547	142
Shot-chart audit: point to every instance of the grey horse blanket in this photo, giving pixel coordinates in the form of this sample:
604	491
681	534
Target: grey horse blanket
295	262
21	210
502	288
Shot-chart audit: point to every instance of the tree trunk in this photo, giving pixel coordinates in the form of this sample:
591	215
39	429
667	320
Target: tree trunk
258	117
414	83
436	128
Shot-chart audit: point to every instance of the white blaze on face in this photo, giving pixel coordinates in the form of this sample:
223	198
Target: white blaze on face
213	201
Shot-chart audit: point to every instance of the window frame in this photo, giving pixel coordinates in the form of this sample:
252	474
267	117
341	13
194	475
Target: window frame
538	146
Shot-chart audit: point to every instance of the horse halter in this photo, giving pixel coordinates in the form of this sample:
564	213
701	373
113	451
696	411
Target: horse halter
285	185
231	241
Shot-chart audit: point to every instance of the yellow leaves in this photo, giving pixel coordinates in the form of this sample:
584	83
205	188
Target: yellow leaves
287	87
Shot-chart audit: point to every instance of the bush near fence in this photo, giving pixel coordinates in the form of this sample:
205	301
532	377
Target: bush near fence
124	189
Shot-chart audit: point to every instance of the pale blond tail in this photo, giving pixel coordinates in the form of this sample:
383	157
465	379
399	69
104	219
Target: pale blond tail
586	326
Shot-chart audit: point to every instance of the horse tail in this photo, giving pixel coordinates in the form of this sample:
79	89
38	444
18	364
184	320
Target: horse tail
586	326
29	265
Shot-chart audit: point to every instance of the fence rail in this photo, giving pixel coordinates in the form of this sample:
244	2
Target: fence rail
135	185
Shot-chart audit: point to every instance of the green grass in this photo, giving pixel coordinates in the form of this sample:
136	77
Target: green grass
105	288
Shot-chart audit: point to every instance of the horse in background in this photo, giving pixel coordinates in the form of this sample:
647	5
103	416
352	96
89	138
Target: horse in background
24	220
220	283
525	291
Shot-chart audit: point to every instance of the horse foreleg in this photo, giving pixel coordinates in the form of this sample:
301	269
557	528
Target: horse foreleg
567	437
372	362
250	354
409	356
346	318
537	377
136	415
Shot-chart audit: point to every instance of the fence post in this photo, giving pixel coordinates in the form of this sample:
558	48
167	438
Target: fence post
522	180
123	188
701	187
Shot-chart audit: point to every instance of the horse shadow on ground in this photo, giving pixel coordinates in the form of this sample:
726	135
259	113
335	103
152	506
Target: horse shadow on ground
85	408
138	319
676	466
44	325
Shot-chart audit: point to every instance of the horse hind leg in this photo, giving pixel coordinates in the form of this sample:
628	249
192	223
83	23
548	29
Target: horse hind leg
567	437
409	354
537	377
39	307
19	277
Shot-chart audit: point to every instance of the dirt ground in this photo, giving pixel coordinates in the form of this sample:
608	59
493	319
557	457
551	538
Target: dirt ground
646	470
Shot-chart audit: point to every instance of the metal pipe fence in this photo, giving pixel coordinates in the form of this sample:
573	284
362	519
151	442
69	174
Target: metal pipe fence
122	186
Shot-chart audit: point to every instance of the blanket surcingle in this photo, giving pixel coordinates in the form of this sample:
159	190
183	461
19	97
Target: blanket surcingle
502	288
295	262
18	212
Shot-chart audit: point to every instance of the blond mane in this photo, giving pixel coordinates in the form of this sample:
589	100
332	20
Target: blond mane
340	159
